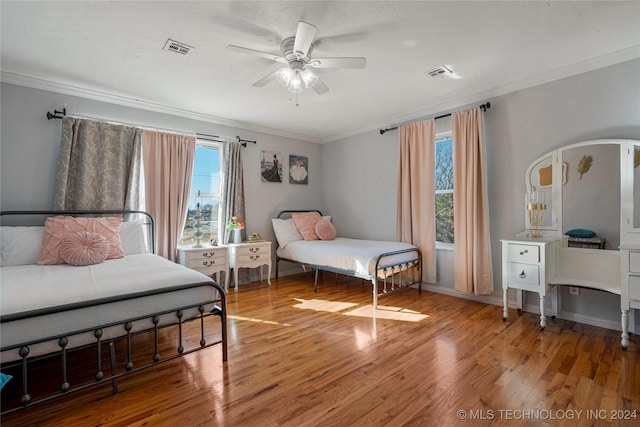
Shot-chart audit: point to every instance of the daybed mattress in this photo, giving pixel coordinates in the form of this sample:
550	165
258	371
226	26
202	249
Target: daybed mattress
353	256
33	288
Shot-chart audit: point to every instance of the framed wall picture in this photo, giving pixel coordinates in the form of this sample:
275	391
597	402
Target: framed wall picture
271	166
298	169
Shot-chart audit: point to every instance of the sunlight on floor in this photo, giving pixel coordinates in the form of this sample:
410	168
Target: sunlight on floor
383	312
322	305
250	319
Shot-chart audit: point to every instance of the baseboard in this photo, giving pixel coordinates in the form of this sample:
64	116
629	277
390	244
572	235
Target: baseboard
579	318
487	299
529	308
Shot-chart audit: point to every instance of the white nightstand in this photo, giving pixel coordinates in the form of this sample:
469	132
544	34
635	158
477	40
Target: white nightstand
207	260
528	264
250	255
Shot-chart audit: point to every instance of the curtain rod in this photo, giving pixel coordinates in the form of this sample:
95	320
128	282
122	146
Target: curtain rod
483	107
215	138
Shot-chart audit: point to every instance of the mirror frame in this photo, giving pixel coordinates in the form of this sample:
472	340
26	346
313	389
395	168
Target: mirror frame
629	235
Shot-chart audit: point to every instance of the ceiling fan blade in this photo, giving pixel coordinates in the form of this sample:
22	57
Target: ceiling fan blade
345	62
320	87
265	80
303	40
254	52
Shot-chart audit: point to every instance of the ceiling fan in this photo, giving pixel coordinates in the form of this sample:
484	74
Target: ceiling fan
296	52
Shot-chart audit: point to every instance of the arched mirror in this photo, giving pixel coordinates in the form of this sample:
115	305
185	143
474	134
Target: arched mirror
592	187
539	194
636	185
591	195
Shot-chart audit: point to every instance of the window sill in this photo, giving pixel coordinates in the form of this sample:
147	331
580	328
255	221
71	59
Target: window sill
440	246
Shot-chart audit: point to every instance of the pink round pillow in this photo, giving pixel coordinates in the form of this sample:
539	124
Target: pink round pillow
325	230
84	248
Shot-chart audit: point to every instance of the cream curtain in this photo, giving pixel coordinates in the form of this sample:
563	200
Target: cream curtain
470	213
98	166
232	197
168	167
416	192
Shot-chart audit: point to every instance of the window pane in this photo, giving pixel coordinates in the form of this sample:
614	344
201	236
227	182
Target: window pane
444	191
444	218
206	183
444	165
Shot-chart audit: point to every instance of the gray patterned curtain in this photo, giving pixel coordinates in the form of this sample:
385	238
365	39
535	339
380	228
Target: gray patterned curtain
232	197
98	166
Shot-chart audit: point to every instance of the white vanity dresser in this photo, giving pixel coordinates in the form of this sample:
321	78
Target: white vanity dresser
587	187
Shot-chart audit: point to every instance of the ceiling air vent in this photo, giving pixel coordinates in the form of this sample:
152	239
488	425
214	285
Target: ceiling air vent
440	72
177	47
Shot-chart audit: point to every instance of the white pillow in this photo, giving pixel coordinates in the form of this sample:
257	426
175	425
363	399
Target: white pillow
20	245
286	231
133	237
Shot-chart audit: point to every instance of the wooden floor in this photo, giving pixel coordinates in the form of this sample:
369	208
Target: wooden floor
422	360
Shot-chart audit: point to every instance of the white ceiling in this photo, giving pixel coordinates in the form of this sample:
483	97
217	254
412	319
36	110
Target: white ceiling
113	50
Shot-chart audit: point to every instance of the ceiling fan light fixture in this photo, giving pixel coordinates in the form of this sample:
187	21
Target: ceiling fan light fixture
295	85
309	78
284	76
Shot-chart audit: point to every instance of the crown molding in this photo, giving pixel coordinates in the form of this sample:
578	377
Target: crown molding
613	58
453	103
119	99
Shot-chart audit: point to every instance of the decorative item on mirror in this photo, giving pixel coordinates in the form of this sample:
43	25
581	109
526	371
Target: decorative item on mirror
536	207
197	234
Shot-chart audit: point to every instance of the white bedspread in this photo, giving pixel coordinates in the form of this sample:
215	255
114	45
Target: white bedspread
357	257
32	287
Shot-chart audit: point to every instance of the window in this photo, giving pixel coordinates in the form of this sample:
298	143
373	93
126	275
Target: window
205	191
444	188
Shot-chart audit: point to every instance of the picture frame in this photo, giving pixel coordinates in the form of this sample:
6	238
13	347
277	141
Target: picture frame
271	166
298	169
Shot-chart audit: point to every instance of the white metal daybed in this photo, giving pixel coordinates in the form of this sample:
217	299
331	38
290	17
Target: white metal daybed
390	266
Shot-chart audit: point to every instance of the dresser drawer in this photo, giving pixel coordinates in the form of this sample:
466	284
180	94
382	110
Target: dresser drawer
634	288
634	262
526	276
523	253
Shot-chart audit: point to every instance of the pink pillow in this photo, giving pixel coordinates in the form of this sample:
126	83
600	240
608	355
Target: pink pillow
57	228
306	224
325	230
84	248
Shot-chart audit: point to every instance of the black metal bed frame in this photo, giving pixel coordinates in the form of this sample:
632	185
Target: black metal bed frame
387	269
23	361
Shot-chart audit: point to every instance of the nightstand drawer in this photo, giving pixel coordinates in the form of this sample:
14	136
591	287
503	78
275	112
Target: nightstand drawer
634	287
523	253
523	275
199	258
253	258
634	262
206	262
208	271
206	254
253	250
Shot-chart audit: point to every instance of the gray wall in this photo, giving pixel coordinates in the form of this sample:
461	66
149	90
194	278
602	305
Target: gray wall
360	171
29	145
